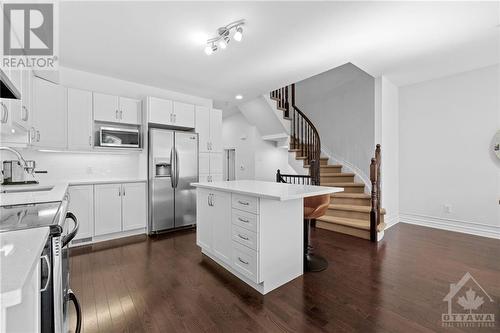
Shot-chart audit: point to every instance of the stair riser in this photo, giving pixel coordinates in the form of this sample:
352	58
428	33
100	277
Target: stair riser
354	189
331	170
365	234
348	214
337	179
350	201
323	162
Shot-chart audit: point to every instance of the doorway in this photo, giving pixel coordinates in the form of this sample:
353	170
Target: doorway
229	167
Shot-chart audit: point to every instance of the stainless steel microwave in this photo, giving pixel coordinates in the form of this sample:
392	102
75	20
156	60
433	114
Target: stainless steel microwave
119	137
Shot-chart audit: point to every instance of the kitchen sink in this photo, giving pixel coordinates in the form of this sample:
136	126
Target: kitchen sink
19	189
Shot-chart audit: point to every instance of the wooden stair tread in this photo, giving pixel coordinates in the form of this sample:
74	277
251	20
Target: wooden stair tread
354	208
343	184
381	227
337	174
324	158
332	166
351	195
300	157
353	223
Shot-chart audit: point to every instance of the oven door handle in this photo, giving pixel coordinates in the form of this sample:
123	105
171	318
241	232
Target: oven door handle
69	237
78	309
49	272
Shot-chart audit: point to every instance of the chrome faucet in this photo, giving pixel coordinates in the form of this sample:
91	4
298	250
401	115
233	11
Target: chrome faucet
28	166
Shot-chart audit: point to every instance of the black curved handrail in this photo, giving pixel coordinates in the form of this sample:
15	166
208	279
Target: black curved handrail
304	137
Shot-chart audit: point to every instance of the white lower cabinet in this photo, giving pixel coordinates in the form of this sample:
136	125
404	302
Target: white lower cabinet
134	206
228	234
82	205
221	217
214	223
108	207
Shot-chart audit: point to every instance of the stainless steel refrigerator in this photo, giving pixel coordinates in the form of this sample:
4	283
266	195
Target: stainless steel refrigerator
173	165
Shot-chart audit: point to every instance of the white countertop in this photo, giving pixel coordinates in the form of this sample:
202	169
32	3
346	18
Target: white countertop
269	190
43	192
106	181
19	253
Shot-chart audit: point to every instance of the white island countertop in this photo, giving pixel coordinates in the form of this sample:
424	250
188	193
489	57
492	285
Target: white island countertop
19	253
269	190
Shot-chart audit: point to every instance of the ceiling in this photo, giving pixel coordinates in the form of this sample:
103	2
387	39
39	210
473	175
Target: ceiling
161	43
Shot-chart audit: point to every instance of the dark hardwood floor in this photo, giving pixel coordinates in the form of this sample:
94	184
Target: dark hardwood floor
398	285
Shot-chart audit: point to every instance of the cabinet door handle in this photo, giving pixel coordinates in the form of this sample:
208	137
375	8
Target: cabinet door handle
116	114
119	192
32	134
244	203
208	200
123	190
37	136
90	140
243	220
5	113
121	114
25	115
243	237
243	261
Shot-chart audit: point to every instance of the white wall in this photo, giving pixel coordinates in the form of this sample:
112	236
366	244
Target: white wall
260	159
340	103
105	165
446	131
387	134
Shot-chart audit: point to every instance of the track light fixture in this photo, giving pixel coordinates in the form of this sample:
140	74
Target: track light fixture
224	36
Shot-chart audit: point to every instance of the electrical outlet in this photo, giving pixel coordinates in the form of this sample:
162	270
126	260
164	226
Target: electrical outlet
447	208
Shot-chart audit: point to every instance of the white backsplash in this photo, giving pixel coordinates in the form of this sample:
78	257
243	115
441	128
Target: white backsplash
73	166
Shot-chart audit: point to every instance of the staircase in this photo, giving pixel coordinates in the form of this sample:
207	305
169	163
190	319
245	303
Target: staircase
352	211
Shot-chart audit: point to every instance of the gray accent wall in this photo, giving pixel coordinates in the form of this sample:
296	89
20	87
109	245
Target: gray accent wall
341	104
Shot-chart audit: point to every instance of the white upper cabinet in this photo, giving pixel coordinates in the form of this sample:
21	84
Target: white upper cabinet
170	113
159	111
24	115
49	114
209	129
130	110
183	114
203	128
116	109
216	130
106	107
79	119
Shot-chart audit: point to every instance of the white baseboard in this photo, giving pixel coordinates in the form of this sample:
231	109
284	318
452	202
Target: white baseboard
466	227
390	220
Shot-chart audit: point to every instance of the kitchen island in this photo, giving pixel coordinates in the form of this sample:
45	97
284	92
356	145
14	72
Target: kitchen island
254	229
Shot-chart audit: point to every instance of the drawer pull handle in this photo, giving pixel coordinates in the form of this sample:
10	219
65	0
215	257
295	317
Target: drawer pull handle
243	203
243	220
243	237
243	261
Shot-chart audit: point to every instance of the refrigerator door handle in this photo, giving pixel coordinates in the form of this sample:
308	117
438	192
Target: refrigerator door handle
172	176
177	164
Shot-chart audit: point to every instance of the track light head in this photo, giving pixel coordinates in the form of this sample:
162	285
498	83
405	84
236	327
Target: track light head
224	36
238	35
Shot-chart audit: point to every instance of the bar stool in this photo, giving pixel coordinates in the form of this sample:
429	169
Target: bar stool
314	207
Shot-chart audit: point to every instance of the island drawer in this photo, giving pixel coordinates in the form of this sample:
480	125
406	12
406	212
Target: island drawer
246	203
245	220
245	261
245	237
